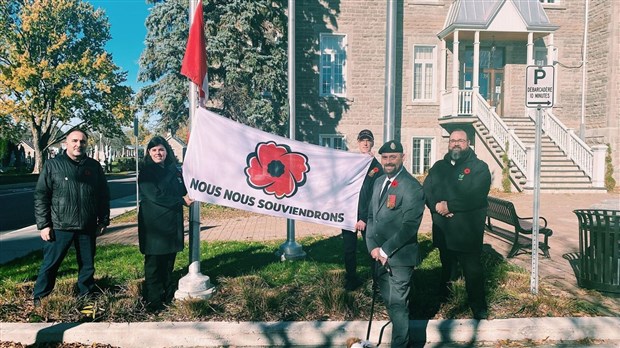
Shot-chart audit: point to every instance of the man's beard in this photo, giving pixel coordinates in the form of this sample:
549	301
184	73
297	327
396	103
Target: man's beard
457	153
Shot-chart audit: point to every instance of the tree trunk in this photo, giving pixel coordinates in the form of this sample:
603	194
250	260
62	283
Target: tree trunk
40	155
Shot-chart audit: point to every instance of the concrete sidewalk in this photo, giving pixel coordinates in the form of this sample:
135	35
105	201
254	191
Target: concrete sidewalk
21	242
551	332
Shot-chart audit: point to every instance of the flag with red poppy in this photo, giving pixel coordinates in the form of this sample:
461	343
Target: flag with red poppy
195	59
234	165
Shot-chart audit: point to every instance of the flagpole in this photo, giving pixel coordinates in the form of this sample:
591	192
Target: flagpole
194	284
291	250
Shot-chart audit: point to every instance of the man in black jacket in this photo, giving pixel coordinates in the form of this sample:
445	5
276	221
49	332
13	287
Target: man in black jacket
365	142
456	190
72	206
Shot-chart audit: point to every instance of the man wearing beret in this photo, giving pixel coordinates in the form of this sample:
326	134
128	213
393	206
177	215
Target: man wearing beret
365	142
394	217
456	190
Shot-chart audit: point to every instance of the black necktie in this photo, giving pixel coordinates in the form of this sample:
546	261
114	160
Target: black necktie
385	189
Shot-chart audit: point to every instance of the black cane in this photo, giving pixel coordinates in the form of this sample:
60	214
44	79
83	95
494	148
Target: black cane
375	290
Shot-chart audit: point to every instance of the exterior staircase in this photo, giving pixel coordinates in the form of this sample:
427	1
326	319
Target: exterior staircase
557	171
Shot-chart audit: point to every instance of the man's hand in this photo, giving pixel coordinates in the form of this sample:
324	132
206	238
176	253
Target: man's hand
360	226
442	208
188	200
376	255
46	234
100	230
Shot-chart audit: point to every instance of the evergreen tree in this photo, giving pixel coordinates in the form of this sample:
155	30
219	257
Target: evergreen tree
247	62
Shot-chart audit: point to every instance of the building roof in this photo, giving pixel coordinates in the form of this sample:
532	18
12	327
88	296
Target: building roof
525	15
176	139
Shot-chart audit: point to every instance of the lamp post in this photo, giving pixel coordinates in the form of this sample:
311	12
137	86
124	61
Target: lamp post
291	250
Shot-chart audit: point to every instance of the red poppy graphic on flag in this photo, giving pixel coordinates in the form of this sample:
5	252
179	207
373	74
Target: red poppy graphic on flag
195	59
276	170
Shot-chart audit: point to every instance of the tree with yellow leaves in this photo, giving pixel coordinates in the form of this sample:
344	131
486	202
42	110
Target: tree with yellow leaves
54	71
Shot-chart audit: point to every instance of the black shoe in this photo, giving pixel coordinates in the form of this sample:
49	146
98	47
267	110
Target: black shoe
352	284
481	314
154	307
37	302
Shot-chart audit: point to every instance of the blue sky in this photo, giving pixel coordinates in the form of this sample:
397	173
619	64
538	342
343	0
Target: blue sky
126	18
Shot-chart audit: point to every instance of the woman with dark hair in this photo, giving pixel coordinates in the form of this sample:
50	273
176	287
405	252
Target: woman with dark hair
160	220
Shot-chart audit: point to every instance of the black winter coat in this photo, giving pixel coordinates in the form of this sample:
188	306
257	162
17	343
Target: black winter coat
465	186
71	196
374	171
160	218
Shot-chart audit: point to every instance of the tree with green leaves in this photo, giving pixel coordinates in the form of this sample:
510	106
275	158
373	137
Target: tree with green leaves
54	70
247	62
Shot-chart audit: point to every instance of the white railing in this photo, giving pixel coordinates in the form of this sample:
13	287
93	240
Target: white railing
465	102
574	148
502	134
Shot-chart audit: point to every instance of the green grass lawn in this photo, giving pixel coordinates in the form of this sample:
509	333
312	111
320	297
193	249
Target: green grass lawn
251	284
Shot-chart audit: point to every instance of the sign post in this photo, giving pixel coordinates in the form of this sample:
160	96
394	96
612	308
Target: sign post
539	93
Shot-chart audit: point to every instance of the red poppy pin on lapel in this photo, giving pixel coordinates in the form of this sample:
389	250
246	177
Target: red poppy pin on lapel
374	171
467	171
394	183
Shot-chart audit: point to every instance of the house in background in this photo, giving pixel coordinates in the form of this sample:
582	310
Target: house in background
462	63
178	146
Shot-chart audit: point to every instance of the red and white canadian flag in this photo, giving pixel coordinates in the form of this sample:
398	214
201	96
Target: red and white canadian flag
195	60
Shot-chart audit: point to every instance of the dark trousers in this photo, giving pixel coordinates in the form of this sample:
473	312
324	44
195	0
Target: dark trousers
158	287
395	291
54	253
349	240
472	271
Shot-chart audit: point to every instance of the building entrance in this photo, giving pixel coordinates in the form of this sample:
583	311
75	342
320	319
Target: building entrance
491	75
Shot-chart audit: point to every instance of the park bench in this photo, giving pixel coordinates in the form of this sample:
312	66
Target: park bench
504	211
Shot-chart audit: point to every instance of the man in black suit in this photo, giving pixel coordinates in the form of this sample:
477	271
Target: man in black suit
365	142
394	217
456	190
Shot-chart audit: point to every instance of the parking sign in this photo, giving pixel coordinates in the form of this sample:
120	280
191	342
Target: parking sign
539	88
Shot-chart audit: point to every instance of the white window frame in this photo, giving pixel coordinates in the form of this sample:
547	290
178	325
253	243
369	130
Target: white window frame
331	140
415	167
424	83
336	70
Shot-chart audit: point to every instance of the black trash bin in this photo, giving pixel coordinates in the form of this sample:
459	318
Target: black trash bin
599	249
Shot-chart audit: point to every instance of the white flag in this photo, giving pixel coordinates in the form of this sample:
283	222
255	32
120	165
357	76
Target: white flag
238	166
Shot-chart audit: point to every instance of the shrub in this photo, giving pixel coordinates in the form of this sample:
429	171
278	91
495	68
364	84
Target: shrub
124	164
610	182
506	184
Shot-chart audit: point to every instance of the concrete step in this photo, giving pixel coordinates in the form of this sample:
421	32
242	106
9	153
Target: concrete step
564	180
557	171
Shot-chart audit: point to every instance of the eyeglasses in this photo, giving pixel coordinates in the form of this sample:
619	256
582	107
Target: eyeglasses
459	141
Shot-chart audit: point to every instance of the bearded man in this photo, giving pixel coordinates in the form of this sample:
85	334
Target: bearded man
456	190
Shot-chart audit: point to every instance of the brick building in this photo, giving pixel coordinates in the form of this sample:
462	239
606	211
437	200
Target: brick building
463	64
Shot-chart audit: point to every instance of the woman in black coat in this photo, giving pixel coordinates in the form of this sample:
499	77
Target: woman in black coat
160	220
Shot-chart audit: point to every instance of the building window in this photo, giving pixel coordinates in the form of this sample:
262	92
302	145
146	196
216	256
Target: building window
540	56
332	77
550	1
423	73
334	141
421	155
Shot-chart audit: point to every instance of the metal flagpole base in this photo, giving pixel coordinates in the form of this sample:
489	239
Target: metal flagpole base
290	250
195	285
